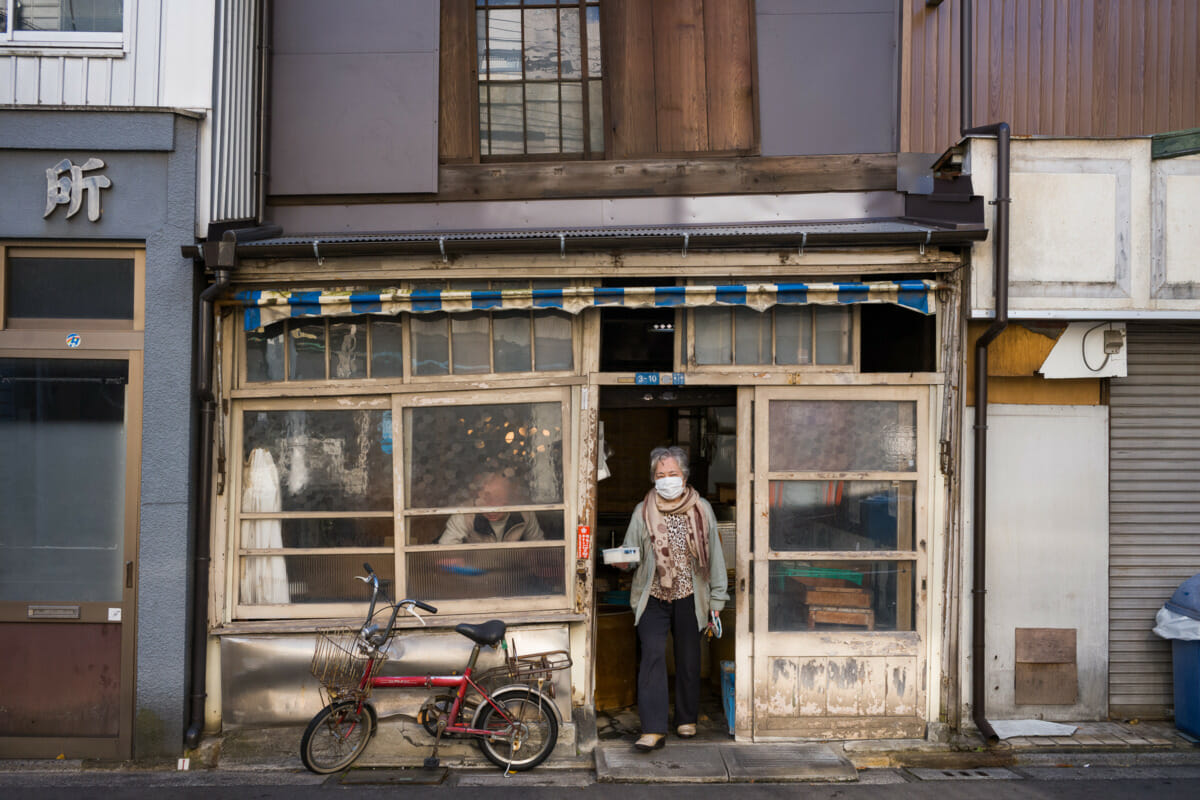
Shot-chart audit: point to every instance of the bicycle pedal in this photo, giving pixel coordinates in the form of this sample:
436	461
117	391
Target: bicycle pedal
432	762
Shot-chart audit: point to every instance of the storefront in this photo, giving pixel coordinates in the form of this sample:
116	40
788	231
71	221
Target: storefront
95	341
480	440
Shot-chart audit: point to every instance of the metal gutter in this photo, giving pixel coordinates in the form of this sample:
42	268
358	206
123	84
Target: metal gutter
894	231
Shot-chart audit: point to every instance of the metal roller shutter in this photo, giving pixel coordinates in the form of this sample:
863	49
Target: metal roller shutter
1154	507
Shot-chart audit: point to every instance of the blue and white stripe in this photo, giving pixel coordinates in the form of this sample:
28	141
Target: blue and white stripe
264	307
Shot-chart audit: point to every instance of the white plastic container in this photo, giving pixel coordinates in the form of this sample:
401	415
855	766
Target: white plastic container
622	555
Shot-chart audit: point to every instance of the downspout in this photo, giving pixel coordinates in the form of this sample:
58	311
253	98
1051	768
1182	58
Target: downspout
999	323
265	42
224	254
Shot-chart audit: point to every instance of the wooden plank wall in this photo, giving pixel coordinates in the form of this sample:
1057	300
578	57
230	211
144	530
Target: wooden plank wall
680	76
1053	67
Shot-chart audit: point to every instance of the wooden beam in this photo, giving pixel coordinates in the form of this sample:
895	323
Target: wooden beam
662	177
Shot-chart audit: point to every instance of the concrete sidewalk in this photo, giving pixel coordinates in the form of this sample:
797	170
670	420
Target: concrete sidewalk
709	759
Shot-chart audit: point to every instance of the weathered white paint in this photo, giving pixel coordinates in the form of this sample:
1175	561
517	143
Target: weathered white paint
164	62
1079	353
1098	229
1176	233
1047	548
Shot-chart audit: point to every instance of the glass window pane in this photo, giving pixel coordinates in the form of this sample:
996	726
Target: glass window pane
572	52
510	341
469	334
94	16
841	596
264	353
842	515
481	571
306	351
449	450
541	44
504	45
596	116
541	118
842	435
324	460
70	288
368	532
62	479
833	334
793	334
485	126
714	335
507	123
311	578
430	343
490	491
593	42
552	340
752	330
572	118
387	348
348	349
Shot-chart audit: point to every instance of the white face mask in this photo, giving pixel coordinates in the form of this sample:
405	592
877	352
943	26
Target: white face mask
669	488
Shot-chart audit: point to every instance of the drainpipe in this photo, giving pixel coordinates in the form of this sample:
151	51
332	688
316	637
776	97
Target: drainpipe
221	259
999	323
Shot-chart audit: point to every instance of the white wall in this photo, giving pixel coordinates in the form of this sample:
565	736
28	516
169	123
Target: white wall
165	62
1099	229
1047	548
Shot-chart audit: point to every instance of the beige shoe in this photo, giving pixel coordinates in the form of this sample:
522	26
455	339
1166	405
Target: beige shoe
650	741
686	731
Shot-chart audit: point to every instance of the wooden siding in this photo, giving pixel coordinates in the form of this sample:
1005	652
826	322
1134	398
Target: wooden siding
458	126
102	77
1053	67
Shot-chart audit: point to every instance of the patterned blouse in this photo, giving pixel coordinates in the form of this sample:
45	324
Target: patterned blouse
681	562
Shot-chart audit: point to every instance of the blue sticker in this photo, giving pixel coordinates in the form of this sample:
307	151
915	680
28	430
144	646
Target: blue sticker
74	340
677	378
645	378
385	432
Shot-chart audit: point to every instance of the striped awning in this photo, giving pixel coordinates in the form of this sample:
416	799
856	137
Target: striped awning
264	307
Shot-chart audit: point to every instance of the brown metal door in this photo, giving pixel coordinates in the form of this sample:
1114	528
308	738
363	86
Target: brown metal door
70	435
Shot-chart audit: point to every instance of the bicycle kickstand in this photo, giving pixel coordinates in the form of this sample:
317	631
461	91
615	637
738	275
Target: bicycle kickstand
432	761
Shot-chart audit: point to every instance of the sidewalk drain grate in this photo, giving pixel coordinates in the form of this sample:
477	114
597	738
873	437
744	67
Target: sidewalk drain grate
977	774
368	776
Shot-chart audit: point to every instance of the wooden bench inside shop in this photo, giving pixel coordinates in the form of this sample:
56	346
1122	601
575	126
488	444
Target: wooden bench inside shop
835	604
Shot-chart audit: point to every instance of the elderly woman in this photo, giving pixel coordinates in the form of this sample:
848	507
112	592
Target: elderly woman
679	584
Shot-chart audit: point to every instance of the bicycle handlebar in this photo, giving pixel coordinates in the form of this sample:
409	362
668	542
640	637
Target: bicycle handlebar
373	579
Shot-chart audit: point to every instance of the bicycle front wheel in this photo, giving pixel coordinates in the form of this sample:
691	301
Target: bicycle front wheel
336	736
522	735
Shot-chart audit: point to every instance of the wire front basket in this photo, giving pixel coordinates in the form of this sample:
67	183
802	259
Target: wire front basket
344	663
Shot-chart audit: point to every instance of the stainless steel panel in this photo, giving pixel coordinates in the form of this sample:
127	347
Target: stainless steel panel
265	679
235	118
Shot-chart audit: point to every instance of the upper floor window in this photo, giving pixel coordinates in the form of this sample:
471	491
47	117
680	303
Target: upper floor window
540	77
62	22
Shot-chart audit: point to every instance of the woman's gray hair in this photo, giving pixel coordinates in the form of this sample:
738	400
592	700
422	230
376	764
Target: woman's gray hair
678	453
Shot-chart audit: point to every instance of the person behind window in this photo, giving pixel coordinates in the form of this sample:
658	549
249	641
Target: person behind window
680	584
493	526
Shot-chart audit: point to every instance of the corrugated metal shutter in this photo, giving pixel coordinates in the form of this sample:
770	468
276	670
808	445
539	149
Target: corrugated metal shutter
1154	507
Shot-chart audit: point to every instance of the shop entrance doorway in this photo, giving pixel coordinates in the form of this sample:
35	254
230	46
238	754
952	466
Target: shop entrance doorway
633	421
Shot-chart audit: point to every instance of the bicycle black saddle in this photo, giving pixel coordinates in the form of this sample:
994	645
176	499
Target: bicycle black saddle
488	633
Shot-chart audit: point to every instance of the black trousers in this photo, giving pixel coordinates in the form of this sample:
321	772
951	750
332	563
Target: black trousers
659	618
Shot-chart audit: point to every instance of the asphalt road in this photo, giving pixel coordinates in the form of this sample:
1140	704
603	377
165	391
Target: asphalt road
1039	783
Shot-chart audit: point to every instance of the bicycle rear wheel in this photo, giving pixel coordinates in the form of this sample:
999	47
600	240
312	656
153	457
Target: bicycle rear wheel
523	735
336	736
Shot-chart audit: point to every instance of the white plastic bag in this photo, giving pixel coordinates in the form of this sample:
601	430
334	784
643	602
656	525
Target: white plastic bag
1176	626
